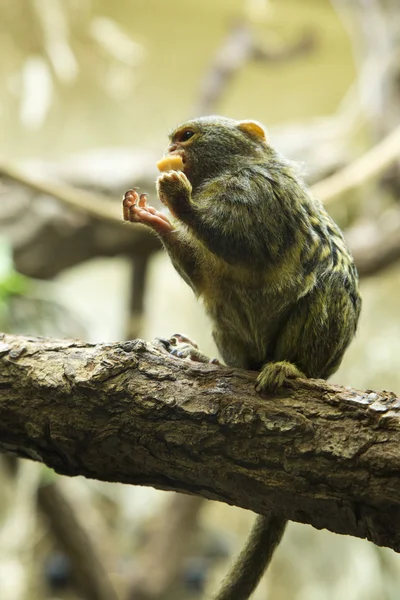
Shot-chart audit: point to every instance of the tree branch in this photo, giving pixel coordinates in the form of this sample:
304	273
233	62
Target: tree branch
88	568
129	412
90	203
238	48
375	245
371	164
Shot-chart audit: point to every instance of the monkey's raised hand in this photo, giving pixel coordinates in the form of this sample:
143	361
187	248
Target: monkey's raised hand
175	191
136	210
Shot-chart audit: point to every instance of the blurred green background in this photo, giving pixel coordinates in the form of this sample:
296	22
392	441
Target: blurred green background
88	92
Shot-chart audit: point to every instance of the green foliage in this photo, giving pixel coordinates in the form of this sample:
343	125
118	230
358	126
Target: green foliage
12	284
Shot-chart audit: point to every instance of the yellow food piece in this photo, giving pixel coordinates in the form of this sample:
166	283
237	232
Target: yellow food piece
171	162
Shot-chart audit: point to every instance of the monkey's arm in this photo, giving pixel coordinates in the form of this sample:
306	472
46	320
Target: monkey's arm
239	218
178	244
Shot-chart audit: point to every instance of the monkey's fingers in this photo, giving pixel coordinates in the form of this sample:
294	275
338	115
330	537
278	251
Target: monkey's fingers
125	212
131	196
159	214
183	347
152	218
136	210
129	200
174	178
157	219
174	189
183	339
133	199
143	200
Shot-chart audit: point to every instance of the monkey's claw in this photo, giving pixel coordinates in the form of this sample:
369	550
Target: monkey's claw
136	210
174	178
182	347
275	375
174	189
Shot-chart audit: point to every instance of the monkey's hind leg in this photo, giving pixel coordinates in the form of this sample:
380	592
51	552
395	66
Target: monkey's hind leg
275	375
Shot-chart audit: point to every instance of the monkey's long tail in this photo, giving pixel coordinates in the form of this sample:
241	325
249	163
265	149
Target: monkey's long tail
253	560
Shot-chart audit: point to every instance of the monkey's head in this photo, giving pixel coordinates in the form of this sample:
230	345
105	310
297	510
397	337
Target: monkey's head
210	145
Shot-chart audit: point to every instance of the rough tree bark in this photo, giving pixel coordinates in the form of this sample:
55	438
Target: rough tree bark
129	412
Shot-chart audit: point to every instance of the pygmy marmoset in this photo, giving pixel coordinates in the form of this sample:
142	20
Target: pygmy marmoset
269	263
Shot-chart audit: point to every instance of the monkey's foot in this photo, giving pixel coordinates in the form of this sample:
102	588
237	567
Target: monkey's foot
182	347
174	190
275	375
136	210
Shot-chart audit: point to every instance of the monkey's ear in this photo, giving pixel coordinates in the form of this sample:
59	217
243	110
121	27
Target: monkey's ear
253	129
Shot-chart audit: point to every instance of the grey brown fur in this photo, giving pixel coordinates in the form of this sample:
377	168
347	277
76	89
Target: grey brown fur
270	265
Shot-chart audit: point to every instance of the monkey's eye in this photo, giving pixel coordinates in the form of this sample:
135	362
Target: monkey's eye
186	135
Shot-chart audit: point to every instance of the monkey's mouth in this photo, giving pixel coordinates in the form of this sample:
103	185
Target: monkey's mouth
173	161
